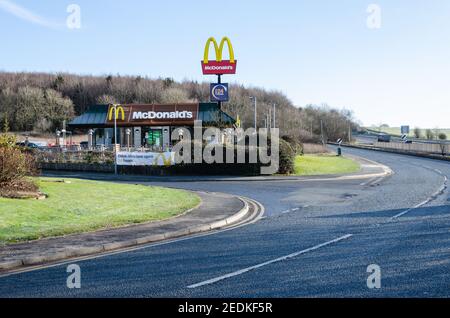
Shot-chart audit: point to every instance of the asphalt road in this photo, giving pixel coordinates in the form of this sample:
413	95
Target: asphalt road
317	240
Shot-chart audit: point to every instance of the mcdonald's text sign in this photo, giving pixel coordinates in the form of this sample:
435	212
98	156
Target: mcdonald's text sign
218	66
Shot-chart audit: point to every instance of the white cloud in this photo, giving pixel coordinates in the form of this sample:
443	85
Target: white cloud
26	14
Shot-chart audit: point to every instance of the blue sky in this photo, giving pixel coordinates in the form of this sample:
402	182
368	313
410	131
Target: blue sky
315	51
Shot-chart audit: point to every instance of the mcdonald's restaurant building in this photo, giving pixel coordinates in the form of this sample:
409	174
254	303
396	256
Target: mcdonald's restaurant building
147	125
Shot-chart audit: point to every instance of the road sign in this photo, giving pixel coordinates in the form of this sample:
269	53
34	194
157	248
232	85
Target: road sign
339	141
218	66
404	138
404	129
219	92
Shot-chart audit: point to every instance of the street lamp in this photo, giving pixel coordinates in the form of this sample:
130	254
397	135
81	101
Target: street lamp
255	105
274	122
128	132
91	139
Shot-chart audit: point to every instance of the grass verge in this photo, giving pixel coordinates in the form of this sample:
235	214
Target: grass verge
324	164
77	206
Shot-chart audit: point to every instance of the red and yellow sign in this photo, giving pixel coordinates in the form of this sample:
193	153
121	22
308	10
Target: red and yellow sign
218	66
153	114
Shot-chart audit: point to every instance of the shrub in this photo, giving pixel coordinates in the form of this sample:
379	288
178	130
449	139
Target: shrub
287	157
296	145
15	165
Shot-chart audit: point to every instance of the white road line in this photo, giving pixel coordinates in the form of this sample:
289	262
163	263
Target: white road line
367	182
376	181
282	258
432	197
410	209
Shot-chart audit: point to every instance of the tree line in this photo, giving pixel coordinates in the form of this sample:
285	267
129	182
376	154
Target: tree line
429	134
41	101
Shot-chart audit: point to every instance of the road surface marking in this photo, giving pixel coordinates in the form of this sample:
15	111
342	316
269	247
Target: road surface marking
429	199
282	258
367	182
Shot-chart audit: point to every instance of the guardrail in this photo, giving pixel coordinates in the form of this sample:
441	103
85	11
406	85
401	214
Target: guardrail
440	148
440	156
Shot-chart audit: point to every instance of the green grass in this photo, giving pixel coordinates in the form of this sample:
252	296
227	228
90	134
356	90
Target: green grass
81	206
396	131
324	164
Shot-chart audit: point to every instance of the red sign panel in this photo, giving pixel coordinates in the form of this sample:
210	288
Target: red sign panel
219	68
153	115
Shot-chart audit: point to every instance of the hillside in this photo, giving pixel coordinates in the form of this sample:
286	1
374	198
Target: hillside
50	98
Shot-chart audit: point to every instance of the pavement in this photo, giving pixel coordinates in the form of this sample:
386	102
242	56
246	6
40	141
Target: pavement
316	239
216	211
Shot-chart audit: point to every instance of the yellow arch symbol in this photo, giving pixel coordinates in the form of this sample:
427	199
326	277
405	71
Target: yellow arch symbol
119	111
230	49
166	161
218	49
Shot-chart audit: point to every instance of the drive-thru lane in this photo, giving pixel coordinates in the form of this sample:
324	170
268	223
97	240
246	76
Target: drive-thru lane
317	239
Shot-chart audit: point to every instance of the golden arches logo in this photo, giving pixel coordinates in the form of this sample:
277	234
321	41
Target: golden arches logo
166	161
238	122
119	111
218	50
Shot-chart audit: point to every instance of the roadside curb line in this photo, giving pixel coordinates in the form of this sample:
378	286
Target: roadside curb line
287	178
113	246
386	170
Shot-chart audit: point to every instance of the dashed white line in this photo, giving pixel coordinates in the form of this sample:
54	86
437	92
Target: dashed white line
279	259
429	199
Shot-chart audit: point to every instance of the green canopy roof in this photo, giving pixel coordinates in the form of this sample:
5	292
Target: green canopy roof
96	115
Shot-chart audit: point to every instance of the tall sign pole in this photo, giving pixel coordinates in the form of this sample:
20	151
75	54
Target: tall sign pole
219	82
115	138
219	66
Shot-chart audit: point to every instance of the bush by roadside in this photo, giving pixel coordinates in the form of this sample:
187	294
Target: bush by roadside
295	143
287	157
15	165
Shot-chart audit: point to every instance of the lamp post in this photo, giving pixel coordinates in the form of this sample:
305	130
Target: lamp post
255	105
128	132
91	139
274	122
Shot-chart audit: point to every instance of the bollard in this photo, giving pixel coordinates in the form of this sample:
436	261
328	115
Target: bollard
339	151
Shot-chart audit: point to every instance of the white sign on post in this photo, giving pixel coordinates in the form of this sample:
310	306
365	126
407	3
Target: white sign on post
135	158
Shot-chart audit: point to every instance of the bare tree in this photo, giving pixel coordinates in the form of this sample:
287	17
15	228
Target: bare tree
429	134
417	132
18	90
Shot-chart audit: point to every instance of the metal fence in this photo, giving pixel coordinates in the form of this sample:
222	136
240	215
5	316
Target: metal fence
76	154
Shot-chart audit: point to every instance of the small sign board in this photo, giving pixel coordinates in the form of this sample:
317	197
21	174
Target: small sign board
219	92
219	68
404	129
